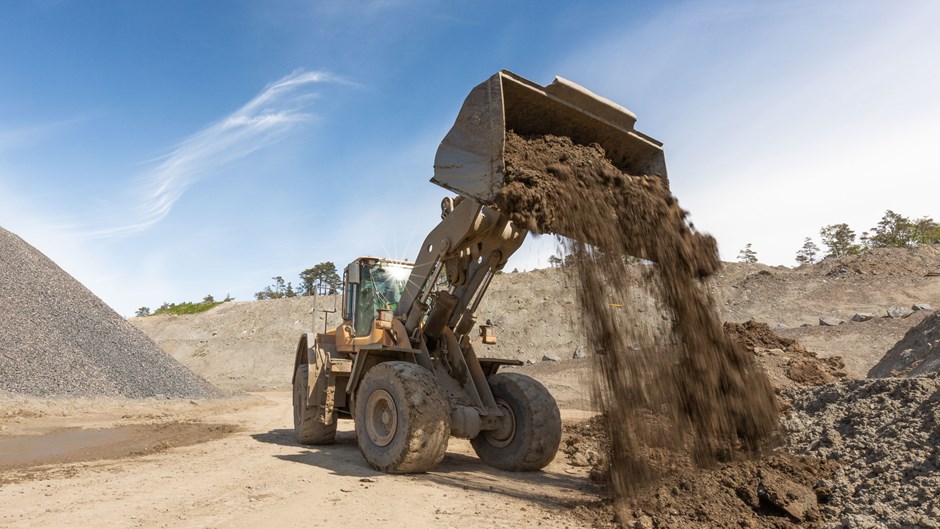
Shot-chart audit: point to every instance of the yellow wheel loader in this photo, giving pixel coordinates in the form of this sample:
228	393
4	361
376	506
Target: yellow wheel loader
403	363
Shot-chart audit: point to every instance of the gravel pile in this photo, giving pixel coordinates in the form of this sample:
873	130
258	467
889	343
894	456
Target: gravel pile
885	435
59	339
918	353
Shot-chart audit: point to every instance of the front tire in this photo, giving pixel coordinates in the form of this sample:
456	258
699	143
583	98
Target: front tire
309	426
530	437
402	418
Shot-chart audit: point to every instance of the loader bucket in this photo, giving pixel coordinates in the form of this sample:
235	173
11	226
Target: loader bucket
470	162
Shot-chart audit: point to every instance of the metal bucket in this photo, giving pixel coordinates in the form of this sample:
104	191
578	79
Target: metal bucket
470	161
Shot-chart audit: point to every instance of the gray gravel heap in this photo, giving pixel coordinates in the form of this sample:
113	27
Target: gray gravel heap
885	434
918	353
59	339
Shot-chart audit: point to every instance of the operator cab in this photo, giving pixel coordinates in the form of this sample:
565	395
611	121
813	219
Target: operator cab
372	283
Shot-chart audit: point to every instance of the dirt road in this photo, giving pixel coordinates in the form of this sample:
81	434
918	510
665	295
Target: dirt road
255	476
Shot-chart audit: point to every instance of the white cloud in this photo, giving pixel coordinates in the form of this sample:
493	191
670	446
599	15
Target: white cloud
264	120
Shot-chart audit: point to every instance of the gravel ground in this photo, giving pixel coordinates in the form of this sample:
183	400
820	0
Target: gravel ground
885	434
59	339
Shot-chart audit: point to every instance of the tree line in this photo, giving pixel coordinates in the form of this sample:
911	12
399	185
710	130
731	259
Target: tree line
185	307
320	279
892	231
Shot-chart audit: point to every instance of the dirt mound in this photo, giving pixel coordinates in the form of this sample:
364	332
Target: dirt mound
785	357
861	344
794	297
587	444
885	261
885	435
240	345
59	339
780	491
698	381
918	353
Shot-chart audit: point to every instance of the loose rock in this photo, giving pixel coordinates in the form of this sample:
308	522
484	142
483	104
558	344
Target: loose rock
899	312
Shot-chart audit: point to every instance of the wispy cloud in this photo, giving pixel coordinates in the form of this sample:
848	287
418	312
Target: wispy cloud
261	122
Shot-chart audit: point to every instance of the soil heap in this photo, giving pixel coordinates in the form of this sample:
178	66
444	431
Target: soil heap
677	386
59	339
918	353
786	362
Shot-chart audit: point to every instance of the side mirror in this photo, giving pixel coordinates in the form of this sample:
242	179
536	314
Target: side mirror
352	273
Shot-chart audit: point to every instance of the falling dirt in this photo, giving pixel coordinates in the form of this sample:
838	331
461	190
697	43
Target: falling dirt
682	388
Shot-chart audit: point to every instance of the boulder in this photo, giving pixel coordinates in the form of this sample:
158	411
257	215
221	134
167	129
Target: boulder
579	353
862	316
830	321
550	358
792	498
899	312
921	306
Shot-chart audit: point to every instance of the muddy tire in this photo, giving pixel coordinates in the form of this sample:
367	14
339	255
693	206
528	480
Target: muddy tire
402	418
309	427
530	440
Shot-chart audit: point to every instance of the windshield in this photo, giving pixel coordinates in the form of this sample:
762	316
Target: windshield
380	286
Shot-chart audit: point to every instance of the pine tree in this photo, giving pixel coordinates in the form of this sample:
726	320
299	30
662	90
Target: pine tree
807	254
321	278
747	255
840	239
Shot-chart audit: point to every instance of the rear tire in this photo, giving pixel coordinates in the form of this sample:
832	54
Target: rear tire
530	439
402	418
309	427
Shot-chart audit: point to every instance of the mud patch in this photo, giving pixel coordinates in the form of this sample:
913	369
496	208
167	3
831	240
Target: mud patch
74	445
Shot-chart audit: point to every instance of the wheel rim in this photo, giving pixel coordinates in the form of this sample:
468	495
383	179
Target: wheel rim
298	403
381	417
503	436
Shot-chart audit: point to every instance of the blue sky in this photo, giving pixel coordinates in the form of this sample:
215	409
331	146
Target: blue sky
161	151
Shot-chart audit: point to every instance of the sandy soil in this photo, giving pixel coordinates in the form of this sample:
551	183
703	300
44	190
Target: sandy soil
249	346
254	476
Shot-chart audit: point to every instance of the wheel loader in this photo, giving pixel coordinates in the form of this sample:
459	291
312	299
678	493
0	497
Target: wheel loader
404	364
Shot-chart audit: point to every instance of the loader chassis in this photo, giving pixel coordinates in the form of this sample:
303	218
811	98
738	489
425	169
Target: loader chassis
403	362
